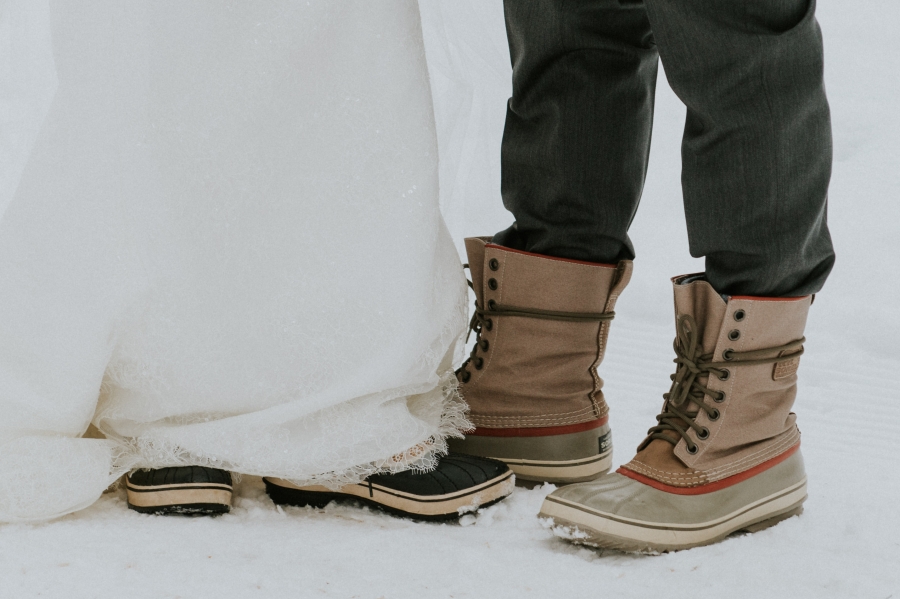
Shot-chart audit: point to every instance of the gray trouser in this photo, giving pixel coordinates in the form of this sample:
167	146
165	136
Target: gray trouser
756	153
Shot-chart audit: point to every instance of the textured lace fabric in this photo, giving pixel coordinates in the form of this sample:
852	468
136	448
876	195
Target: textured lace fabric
687	395
216	218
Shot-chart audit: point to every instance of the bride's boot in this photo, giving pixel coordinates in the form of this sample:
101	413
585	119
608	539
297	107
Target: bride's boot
724	455
531	381
458	485
191	490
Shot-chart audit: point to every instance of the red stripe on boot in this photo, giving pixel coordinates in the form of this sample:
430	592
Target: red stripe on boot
709	487
544	431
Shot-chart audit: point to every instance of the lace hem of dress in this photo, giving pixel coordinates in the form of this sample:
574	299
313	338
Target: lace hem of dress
433	431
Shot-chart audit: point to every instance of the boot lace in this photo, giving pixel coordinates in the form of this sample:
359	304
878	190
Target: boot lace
483	319
691	365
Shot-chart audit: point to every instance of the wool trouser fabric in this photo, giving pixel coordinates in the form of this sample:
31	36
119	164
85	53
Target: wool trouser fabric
756	152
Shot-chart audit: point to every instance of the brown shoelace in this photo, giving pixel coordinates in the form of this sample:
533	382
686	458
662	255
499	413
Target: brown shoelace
482	320
687	389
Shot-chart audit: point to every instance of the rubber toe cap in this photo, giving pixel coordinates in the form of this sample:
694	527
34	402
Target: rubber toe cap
454	472
180	475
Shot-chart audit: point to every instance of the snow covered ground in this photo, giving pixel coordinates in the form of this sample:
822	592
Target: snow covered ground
846	544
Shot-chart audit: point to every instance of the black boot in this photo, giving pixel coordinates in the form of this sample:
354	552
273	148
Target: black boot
189	490
460	484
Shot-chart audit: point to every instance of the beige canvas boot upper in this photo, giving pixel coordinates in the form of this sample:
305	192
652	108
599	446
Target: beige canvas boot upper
743	355
543	324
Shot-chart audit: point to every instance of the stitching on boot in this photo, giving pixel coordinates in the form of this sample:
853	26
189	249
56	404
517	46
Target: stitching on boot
676	479
575	414
754	459
489	423
687	475
578	411
760	455
746	463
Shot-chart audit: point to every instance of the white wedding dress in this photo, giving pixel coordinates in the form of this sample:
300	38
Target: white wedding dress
220	243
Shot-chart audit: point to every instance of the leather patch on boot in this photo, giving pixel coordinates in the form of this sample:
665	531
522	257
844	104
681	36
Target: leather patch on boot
785	369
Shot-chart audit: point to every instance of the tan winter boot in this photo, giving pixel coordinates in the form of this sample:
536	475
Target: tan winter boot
724	456
531	381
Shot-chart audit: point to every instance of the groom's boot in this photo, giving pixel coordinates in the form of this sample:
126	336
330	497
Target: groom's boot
531	381
189	490
724	456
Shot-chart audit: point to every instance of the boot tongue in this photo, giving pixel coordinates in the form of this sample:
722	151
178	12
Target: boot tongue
475	252
697	298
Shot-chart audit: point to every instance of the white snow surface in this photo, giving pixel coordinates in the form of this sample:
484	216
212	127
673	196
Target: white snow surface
844	545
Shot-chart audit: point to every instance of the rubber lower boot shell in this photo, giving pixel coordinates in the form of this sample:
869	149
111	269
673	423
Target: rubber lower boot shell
555	458
459	485
180	490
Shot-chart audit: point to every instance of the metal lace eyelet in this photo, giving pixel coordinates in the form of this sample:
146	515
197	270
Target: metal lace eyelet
714	415
733	335
723	376
493	264
492	305
727	355
719	398
703	434
739	315
479	363
485	345
492	283
692	449
489	324
466	376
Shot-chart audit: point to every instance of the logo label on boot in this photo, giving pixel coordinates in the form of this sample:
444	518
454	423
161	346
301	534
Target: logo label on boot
785	369
605	442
